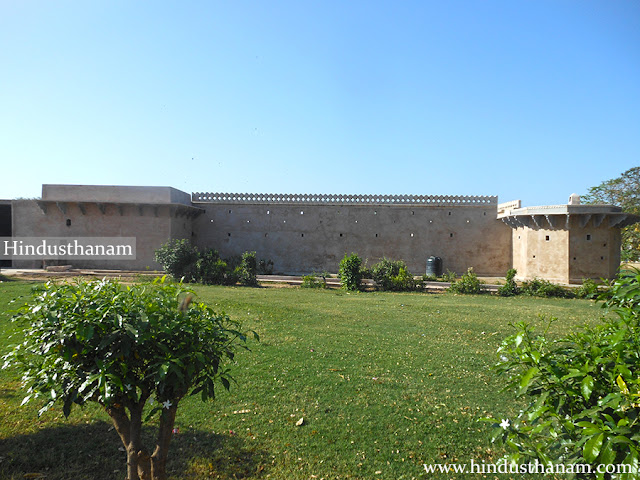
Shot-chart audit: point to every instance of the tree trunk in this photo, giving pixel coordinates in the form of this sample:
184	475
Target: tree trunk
165	430
129	428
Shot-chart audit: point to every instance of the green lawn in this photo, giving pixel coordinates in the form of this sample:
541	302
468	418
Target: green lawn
385	382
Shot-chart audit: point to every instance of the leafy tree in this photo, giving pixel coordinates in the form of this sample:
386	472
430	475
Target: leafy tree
624	192
125	347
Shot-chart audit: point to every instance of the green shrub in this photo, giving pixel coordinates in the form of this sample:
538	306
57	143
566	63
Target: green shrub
510	288
178	258
211	269
403	281
449	276
468	283
183	261
392	275
350	272
544	288
365	271
583	391
312	281
588	289
247	269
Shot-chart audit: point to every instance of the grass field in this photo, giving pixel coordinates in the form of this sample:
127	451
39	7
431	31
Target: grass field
385	383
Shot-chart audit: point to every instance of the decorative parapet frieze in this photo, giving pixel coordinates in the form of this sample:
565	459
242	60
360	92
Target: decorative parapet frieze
508	206
320	199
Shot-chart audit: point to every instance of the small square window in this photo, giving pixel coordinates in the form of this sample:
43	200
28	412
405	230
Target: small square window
546	238
588	237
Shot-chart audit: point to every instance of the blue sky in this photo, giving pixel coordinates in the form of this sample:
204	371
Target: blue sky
522	99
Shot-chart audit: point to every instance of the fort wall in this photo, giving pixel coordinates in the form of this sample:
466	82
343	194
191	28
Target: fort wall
306	233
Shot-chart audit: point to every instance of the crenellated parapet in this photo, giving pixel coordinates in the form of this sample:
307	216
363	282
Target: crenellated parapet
337	199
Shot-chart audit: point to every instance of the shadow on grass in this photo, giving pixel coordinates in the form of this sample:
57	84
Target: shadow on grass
93	452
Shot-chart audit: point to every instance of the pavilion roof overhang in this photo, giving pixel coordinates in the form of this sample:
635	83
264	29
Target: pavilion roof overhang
556	217
175	209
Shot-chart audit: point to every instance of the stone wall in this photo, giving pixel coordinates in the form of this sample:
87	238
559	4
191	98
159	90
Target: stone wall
152	215
306	233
